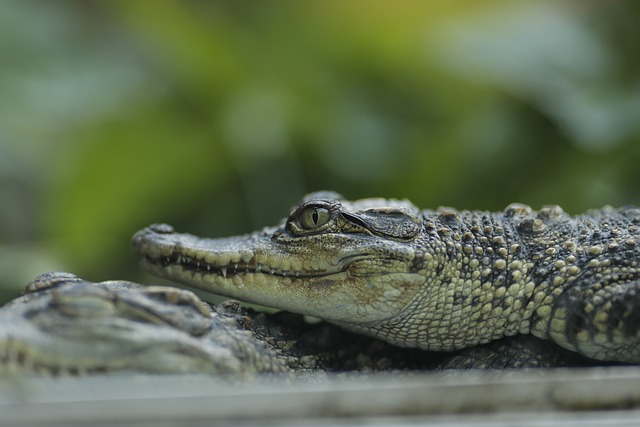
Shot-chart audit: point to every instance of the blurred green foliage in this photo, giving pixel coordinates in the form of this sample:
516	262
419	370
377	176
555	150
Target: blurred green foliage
218	116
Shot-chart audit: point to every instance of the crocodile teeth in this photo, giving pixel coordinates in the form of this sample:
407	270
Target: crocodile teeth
232	268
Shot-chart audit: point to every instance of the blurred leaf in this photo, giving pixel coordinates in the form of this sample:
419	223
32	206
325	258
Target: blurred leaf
126	175
551	59
218	116
200	48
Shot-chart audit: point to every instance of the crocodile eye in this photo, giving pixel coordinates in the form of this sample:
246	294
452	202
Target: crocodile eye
313	217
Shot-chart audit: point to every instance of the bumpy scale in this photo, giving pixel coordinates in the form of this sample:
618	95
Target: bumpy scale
437	280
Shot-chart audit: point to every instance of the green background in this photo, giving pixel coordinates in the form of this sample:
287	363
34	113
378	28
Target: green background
217	117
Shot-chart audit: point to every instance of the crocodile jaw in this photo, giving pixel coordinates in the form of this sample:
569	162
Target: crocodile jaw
336	282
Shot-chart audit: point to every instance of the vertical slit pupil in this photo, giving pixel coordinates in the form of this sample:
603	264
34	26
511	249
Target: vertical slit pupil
315	216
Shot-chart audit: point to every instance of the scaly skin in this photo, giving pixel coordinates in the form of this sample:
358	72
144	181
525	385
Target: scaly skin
437	280
64	325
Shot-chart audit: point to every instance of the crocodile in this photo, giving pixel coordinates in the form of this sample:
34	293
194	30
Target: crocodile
439	280
63	325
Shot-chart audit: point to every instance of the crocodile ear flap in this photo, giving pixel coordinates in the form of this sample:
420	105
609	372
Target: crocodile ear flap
398	223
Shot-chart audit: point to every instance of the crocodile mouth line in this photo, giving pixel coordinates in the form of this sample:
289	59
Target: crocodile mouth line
232	269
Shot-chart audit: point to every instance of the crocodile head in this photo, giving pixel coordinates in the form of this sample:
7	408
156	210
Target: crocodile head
64	325
330	258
